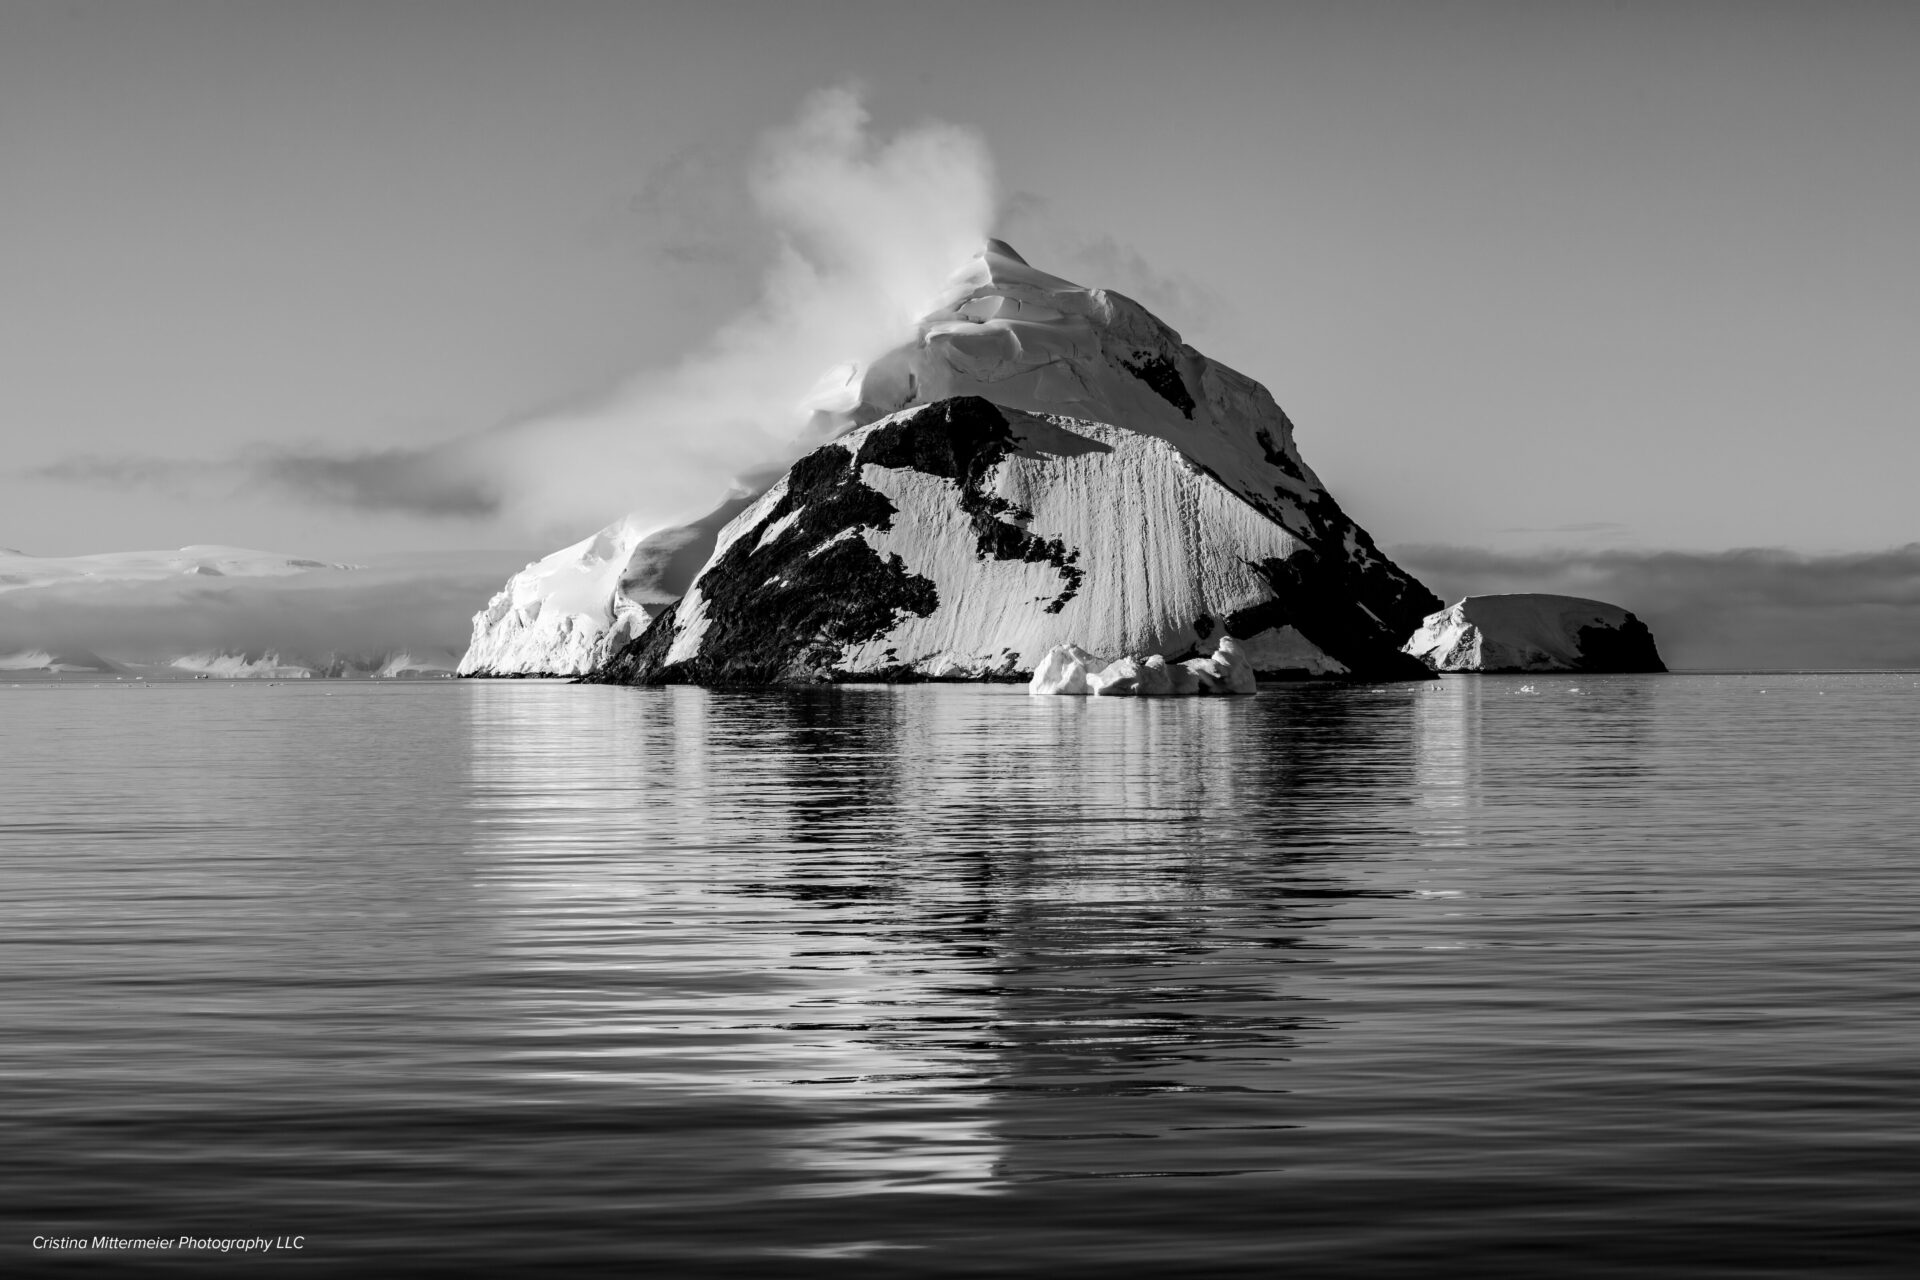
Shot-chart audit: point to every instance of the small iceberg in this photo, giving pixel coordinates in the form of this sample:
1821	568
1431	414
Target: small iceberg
1072	671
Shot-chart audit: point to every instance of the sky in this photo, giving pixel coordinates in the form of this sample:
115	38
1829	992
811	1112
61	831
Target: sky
1536	279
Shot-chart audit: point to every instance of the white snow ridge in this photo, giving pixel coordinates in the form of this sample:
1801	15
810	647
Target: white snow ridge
1042	465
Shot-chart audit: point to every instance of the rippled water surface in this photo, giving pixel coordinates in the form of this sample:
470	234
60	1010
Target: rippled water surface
1491	976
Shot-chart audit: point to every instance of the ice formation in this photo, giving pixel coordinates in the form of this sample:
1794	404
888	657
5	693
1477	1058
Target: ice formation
1044	464
1534	633
1069	669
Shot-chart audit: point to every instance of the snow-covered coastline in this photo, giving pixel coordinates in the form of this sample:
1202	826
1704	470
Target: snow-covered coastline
560	615
1534	633
234	613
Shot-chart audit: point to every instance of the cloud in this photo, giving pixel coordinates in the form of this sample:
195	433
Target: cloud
433	482
1757	608
866	229
1610	527
170	475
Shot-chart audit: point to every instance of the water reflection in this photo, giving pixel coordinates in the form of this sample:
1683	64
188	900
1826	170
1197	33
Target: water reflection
722	931
534	977
1036	936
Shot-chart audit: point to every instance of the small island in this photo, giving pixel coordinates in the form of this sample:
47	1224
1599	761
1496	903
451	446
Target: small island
1535	633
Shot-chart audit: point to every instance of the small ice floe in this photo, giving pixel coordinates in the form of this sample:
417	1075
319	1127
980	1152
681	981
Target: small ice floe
1070	670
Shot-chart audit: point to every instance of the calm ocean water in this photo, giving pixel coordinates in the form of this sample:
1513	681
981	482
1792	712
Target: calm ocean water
1497	976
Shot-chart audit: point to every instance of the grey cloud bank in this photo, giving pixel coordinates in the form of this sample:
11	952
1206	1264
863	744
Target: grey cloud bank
434	481
866	227
1757	608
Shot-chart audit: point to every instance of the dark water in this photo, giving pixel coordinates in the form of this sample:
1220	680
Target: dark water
1614	975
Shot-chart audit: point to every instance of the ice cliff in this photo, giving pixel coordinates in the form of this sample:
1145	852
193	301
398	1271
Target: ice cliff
1043	464
1534	633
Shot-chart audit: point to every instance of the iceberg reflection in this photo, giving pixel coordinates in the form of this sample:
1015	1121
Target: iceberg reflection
952	928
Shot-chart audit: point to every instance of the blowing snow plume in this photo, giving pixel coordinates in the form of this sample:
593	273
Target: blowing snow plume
867	229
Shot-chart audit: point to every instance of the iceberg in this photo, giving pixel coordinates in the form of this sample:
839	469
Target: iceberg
1070	670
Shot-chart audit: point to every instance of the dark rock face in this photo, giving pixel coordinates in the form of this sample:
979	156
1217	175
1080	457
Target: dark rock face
1159	373
1321	597
1626	648
962	440
784	611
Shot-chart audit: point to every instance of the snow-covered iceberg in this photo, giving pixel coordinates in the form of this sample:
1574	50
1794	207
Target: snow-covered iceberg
1043	464
1534	633
1069	669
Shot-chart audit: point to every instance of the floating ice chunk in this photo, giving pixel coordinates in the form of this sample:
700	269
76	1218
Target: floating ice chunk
1069	669
1120	679
1065	670
1229	670
1205	676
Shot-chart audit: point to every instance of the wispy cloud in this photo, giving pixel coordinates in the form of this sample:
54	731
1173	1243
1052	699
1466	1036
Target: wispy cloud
433	481
867	228
169	475
1760	608
1585	526
423	481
